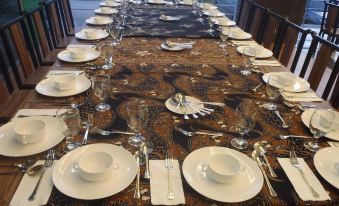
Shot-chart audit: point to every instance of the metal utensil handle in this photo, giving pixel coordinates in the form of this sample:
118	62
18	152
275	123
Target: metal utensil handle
119	132
269	167
32	196
170	194
137	183
282	120
147	172
84	141
270	188
210	134
314	193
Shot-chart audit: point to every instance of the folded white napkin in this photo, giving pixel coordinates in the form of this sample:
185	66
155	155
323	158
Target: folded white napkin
89	46
56	72
35	112
333	144
299	183
27	185
272	63
244	43
159	183
308	96
187	45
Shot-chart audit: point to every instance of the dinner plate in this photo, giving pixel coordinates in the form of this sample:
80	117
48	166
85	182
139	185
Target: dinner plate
241	35
157	2
111	4
300	84
90	54
333	134
109	11
249	184
186	3
172	106
207	6
169	18
214	14
175	47
47	87
264	53
223	22
324	162
104	21
67	180
11	147
100	34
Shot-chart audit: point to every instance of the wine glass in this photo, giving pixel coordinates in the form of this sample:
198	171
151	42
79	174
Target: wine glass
245	118
248	56
224	35
69	119
114	33
107	54
137	116
102	89
321	123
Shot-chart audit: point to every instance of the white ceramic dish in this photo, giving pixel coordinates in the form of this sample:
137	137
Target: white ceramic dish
333	134
186	3
207	6
64	82
68	181
88	55
47	87
105	11
238	34
325	161
175	47
157	2
30	131
265	53
172	106
223	21
169	18
11	147
251	178
99	20
214	13
97	34
300	84
110	4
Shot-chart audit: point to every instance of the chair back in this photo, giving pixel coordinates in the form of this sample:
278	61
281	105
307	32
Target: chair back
67	16
330	21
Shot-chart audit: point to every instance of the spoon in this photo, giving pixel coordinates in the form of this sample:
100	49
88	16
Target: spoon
290	136
34	170
260	147
137	182
144	150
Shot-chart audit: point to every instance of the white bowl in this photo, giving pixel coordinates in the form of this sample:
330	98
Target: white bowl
90	33
64	82
30	131
207	6
96	166
336	167
237	33
105	9
223	168
76	53
97	20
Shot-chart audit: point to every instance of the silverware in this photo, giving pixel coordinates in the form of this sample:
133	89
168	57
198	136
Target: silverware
256	157
190	134
257	87
89	123
192	110
21	116
144	150
299	96
290	136
284	125
296	164
259	147
169	167
195	110
48	163
137	182
105	133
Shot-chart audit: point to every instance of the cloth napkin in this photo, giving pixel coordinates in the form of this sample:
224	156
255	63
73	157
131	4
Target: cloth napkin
159	183
244	43
271	63
298	182
56	72
88	46
187	45
27	185
35	112
333	144
308	96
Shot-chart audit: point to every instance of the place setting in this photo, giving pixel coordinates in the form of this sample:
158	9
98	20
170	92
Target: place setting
99	20
163	17
110	4
91	34
175	46
105	11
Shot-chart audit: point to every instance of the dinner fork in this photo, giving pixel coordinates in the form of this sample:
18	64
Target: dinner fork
169	167
190	134
48	163
296	164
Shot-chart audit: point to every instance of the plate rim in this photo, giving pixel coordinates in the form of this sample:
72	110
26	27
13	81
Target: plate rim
260	57
95	53
317	166
298	78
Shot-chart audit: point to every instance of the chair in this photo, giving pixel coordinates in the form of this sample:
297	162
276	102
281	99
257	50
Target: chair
21	53
67	17
321	71
243	11
330	22
256	20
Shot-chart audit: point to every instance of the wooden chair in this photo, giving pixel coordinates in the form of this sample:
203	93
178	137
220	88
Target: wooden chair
38	27
323	76
59	37
21	54
256	21
67	17
330	22
243	11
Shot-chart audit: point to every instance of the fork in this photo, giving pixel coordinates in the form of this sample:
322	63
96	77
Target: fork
296	164
48	163
169	166
105	133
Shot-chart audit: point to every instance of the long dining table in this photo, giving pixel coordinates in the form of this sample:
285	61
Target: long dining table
143	70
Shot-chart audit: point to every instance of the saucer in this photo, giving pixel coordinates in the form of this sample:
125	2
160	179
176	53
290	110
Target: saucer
300	84
172	106
90	55
265	53
324	161
105	20
100	34
109	11
157	2
111	4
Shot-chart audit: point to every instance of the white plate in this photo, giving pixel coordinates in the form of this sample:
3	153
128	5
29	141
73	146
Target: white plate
306	117
201	5
112	4
67	180
47	87
100	34
186	3
105	20
242	36
265	53
249	184
157	2
324	161
169	18
109	11
91	54
172	106
175	47
11	147
225	22
217	14
300	84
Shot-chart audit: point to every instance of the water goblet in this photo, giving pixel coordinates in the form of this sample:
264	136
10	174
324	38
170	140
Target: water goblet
248	56
137	116
245	119
274	86
224	35
102	89
107	54
69	119
115	34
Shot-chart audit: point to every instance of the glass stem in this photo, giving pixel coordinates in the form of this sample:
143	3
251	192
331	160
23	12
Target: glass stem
241	138
315	142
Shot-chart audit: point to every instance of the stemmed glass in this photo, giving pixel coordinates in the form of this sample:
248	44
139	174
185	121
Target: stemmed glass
69	119
107	53
245	118
114	33
137	116
102	89
321	123
248	56
224	35
211	23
